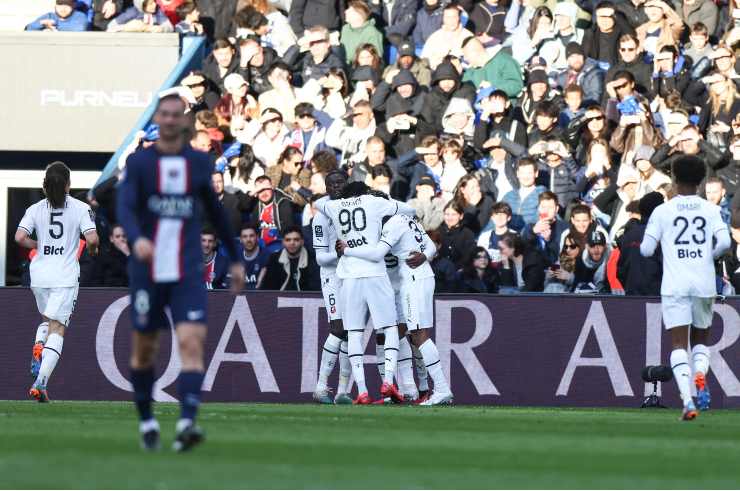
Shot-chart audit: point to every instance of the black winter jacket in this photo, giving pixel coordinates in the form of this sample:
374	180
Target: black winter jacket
308	13
639	275
456	243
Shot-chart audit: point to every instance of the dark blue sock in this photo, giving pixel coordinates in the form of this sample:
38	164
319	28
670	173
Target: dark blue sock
188	385
143	381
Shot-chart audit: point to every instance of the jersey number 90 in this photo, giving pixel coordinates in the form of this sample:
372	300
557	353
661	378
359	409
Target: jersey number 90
355	220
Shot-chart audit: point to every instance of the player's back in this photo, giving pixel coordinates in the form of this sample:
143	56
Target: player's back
404	234
686	226
358	221
164	193
57	237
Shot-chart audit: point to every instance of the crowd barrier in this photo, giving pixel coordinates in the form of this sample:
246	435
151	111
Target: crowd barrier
497	350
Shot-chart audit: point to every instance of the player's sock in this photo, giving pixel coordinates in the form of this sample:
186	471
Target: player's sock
380	359
345	370
405	371
42	332
49	357
143	382
431	359
421	369
188	386
328	360
682	373
354	345
700	358
391	353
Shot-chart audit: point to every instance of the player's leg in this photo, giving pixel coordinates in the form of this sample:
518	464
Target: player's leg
330	351
702	313
344	386
677	318
379	297
354	310
380	354
42	333
405	365
421	373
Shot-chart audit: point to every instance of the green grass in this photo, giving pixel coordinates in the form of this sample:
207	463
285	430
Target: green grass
94	445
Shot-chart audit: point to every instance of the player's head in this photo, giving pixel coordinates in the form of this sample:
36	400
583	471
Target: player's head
293	240
248	236
208	242
354	189
170	116
689	171
335	182
56	183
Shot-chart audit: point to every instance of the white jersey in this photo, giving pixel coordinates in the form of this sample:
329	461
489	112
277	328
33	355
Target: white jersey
358	222
394	272
324	240
57	235
404	235
685	227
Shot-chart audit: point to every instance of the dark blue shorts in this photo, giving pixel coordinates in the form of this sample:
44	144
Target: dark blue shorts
151	302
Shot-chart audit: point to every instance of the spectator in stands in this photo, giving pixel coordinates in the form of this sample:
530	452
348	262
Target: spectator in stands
538	39
406	59
429	207
188	19
456	239
398	18
497	226
560	275
670	74
291	177
235	204
215	265
730	174
546	232
450	169
613	201
477	275
273	213
205	97
349	134
631	59
254	63
558	169
477	207
64	18
104	11
359	29
237	107
320	58
698	47
487	21
522	267
243	169
222	62
294	267
585	128
729	264
714	189
663	27
650	179
601	42
309	136
448	39
305	14
501	71
143	16
112	262
271	138
688	142
428	21
401	131
638	274
252	256
445	84
445	271
524	199
582	71
590	271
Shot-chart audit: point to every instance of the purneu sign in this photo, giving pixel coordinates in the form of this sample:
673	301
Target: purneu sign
544	351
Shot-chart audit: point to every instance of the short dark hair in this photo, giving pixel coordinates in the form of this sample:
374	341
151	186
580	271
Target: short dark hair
714	180
513	241
580	208
171	97
248	226
526	162
501	207
381	170
604	4
573	88
278	65
263	178
222	43
624	74
325	161
547	108
293	229
208	230
548	196
689	170
700	28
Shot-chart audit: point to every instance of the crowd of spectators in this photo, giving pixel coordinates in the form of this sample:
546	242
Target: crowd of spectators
534	138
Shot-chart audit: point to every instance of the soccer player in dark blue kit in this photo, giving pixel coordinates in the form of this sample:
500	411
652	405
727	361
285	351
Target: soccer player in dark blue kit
162	199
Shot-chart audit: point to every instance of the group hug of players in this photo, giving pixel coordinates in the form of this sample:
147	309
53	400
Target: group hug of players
374	258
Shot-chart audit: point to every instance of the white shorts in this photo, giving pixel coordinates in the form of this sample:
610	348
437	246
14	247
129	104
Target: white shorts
359	295
687	311
418	303
330	287
56	303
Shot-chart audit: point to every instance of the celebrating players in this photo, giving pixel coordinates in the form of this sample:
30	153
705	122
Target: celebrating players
58	221
160	203
691	235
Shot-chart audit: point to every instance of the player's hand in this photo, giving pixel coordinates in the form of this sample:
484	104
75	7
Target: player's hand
415	260
144	249
236	270
92	248
340	246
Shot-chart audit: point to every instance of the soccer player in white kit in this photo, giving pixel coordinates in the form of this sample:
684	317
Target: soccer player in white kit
691	234
357	218
324	240
403	237
58	221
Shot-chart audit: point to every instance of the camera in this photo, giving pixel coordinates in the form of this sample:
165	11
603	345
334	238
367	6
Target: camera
654	374
629	107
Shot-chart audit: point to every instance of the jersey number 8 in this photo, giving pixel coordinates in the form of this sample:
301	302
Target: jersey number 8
699	222
355	220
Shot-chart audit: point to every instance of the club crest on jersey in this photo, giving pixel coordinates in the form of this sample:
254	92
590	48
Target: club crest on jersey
318	231
92	214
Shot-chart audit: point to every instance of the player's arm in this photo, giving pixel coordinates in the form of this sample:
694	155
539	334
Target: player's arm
722	239
325	256
430	250
24	231
651	239
374	253
89	231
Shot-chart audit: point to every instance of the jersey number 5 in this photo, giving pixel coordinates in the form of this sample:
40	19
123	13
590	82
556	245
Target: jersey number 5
56	234
699	222
355	220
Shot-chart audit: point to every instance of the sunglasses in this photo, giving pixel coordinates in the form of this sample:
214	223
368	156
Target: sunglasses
596	118
481	256
570	246
305	116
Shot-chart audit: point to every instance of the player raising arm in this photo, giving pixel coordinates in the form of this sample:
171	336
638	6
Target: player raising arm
404	238
58	221
161	200
686	227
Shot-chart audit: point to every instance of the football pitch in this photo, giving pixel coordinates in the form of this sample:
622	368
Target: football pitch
94	445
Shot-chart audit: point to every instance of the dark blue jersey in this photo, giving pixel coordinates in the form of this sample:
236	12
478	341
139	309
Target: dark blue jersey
252	267
164	198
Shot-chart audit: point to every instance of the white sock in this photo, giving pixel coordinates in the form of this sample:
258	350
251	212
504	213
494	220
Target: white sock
49	357
328	360
700	358
345	370
183	423
356	355
421	369
405	370
42	332
391	353
431	359
380	360
148	425
682	373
